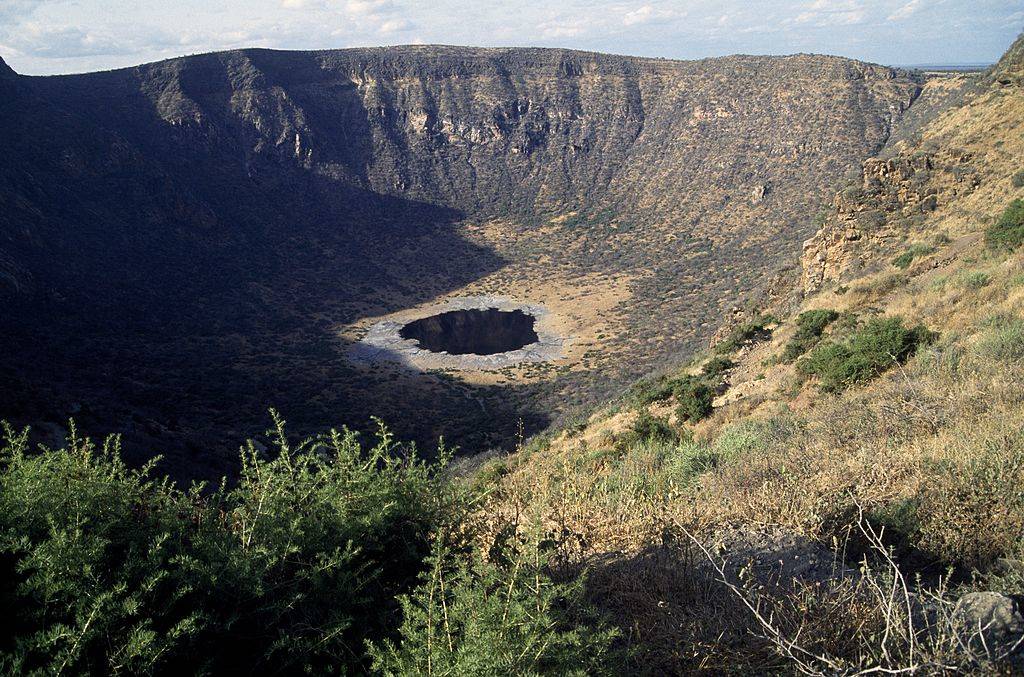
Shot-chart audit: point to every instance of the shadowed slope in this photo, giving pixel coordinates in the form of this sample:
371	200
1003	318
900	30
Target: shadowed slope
182	240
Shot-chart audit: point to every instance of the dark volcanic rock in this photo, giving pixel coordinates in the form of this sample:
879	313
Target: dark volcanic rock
5	70
179	241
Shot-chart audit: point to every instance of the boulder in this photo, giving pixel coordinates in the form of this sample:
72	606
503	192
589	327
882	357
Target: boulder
992	620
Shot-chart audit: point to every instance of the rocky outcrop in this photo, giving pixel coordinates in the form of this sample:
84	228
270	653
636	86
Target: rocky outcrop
876	214
1009	71
867	221
991	624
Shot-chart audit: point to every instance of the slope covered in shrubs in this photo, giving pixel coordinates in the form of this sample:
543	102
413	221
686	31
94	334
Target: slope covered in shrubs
879	345
852	500
107	569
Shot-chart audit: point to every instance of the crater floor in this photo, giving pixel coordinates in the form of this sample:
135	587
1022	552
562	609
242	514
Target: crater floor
465	333
475	331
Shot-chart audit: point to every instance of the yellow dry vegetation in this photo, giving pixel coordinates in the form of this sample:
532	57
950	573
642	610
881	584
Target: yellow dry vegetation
931	451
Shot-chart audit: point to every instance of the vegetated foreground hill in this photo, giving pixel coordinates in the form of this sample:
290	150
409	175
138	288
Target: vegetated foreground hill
185	243
848	456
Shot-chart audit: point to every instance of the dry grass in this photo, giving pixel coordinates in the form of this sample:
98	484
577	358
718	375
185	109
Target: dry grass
933	451
920	471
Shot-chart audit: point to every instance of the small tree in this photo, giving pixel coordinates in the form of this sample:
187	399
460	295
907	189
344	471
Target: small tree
694	397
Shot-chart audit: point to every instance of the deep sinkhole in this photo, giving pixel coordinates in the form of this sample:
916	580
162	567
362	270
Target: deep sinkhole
472	332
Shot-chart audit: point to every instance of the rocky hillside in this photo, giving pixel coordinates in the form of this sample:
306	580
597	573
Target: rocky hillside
835	485
189	239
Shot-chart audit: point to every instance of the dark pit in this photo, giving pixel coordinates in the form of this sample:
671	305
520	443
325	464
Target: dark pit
472	332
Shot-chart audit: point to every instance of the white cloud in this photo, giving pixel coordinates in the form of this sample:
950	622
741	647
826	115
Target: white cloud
823	13
38	39
395	26
18	9
303	4
560	29
906	11
648	14
369	8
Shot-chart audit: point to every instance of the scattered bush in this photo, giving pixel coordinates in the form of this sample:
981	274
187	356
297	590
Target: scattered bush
882	285
649	428
649	391
973	280
1004	341
1008	232
746	333
880	344
810	326
504	616
1018	179
717	366
694	397
904	260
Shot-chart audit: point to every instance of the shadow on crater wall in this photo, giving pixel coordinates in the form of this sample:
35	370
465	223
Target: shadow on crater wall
195	290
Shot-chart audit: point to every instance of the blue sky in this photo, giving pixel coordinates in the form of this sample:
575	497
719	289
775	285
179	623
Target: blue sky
63	36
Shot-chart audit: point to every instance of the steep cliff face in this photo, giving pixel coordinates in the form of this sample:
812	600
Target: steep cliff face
527	130
181	237
876	215
948	159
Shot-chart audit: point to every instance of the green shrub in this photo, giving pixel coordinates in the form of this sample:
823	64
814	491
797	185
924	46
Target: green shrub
810	326
651	428
899	523
973	280
882	285
1018	179
104	569
693	458
744	334
694	398
904	260
880	344
1008	232
649	391
717	366
505	616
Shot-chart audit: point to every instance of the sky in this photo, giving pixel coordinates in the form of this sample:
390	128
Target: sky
40	37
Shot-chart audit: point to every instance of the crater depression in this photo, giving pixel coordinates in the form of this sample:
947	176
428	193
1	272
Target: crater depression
256	227
474	331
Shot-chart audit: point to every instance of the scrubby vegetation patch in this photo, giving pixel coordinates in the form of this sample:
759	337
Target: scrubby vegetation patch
809	327
904	260
1008	232
320	548
879	345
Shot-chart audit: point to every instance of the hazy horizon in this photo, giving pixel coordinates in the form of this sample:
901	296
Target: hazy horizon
41	37
979	65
